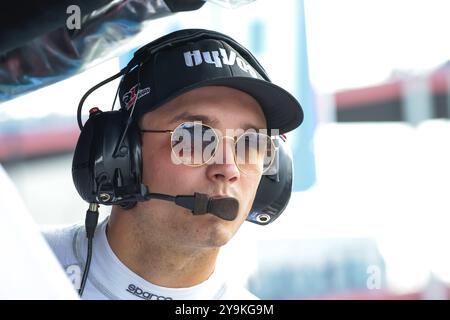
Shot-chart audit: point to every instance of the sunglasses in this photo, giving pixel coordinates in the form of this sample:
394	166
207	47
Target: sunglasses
196	144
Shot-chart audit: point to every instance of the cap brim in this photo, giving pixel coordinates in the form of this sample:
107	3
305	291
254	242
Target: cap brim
282	110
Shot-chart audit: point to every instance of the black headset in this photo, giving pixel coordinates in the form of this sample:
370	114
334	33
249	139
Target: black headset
107	164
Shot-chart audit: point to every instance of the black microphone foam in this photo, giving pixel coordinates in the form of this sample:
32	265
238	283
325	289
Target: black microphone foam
225	208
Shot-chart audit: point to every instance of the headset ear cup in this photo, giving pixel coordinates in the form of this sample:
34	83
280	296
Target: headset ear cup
274	191
82	168
104	172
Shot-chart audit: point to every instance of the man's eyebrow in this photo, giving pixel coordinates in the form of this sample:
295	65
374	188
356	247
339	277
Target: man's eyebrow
187	116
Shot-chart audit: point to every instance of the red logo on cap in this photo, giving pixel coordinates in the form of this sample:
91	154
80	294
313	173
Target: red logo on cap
130	97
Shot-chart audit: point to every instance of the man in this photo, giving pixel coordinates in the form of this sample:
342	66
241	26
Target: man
196	81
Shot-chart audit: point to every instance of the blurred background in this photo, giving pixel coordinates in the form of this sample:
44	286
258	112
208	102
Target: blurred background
370	212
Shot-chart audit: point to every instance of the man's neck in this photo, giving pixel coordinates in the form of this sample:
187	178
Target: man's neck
164	264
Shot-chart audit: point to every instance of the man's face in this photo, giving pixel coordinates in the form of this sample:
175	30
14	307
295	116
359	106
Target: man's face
221	108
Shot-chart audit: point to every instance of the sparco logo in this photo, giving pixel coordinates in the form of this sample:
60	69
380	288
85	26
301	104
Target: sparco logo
138	292
195	57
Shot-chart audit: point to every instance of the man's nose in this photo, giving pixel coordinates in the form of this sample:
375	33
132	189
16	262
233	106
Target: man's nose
223	167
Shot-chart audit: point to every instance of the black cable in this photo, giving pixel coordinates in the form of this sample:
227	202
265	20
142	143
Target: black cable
86	268
80	104
130	117
90	225
115	96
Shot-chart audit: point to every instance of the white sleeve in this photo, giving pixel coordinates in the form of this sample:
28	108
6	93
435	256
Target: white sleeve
29	270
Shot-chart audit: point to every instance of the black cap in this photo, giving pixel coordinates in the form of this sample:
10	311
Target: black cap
188	59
